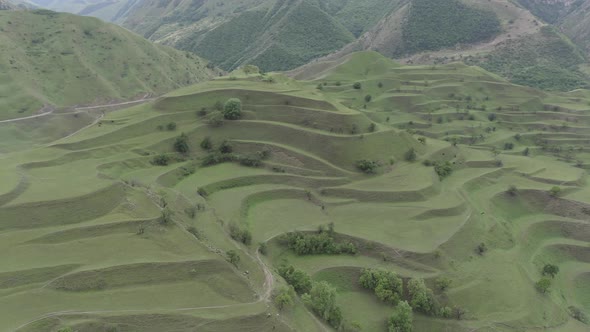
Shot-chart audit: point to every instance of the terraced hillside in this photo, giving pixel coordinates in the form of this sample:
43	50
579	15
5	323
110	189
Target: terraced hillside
441	173
59	60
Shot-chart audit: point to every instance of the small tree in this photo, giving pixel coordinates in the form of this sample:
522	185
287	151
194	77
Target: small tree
543	285
263	248
207	143
161	160
226	147
367	166
401	319
411	155
550	270
284	297
481	248
171	126
526	152
512	190
357	86
232	110
166	216
233	257
181	144
322	299
443	283
555	191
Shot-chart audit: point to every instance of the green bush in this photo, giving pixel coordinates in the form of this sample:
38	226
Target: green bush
300	280
181	144
388	286
316	244
411	155
367	166
357	85
232	110
161	160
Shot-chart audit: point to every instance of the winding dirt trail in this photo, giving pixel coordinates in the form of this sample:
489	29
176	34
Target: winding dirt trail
81	109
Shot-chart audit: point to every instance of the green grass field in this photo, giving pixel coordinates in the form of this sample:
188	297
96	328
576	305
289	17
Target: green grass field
84	238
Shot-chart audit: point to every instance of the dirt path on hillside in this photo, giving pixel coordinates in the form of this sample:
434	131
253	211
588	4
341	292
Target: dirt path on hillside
81	109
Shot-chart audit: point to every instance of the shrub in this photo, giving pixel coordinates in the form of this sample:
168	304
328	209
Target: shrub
443	283
512	190
492	116
206	143
481	248
240	234
550	270
372	127
367	166
555	191
284	297
161	160
380	85
171	126
543	285
411	155
218	105
165	216
443	169
225	147
181	144
578	314
233	257
508	146
232	110
316	244
215	120
368	98
357	85
263	248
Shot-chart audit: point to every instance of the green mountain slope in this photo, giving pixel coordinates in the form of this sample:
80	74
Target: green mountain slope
273	34
48	58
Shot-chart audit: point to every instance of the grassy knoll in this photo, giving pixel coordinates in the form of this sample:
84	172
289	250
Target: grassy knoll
432	172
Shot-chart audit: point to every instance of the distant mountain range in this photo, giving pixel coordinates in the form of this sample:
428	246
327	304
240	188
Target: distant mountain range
284	34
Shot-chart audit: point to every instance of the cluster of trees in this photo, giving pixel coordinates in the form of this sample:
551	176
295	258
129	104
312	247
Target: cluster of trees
388	286
319	296
322	300
240	234
317	244
442	168
549	272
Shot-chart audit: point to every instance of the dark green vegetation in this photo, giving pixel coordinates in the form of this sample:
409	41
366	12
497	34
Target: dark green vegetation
54	60
157	201
436	24
548	61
